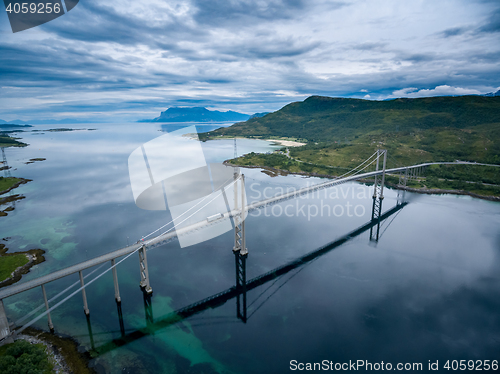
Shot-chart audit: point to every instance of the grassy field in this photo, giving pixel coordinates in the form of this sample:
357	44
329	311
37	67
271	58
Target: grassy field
6	183
10	263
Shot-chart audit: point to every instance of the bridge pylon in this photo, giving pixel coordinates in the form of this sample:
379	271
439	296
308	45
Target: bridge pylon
378	194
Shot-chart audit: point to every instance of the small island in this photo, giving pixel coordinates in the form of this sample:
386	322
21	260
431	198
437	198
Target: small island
8	141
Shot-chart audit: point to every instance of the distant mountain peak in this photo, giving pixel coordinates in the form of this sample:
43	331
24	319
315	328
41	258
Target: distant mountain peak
492	94
198	114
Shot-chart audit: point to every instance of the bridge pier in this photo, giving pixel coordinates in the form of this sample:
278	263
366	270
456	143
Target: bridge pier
91	336
241	285
84	295
115	281
51	325
120	318
240	250
148	308
143	264
378	195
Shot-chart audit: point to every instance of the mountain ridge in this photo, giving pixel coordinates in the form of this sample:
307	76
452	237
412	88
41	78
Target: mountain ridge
197	114
321	118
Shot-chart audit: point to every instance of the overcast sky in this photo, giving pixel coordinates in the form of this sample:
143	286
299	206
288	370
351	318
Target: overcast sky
132	59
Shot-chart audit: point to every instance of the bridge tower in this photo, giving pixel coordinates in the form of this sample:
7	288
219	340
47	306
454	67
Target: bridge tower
378	194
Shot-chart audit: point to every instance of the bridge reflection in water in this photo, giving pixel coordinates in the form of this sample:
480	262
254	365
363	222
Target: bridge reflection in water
238	292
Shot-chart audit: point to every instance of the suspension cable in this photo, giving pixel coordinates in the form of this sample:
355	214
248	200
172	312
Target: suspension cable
199	202
359	166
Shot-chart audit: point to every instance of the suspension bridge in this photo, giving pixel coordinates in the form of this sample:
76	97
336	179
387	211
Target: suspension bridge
237	215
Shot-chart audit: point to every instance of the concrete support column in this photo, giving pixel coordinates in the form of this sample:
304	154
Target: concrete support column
51	325
115	281
84	295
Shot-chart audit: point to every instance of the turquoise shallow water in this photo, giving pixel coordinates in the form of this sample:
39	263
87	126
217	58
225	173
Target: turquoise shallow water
428	290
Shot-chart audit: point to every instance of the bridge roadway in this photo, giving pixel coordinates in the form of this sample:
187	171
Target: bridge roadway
162	239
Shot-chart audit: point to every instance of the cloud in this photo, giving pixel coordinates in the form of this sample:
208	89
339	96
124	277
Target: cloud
443	90
454	31
122	59
217	11
492	25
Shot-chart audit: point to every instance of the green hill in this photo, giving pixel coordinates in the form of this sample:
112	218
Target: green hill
341	133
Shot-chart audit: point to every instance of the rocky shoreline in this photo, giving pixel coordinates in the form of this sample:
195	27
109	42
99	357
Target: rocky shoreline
64	352
434	191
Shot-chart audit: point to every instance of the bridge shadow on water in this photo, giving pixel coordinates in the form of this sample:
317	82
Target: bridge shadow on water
238	292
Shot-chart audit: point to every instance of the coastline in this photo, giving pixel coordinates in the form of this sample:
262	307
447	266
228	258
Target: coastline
275	172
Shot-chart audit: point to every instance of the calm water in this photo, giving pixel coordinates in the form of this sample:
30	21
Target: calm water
429	289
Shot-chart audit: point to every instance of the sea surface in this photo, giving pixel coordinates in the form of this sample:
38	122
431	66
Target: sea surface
426	292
